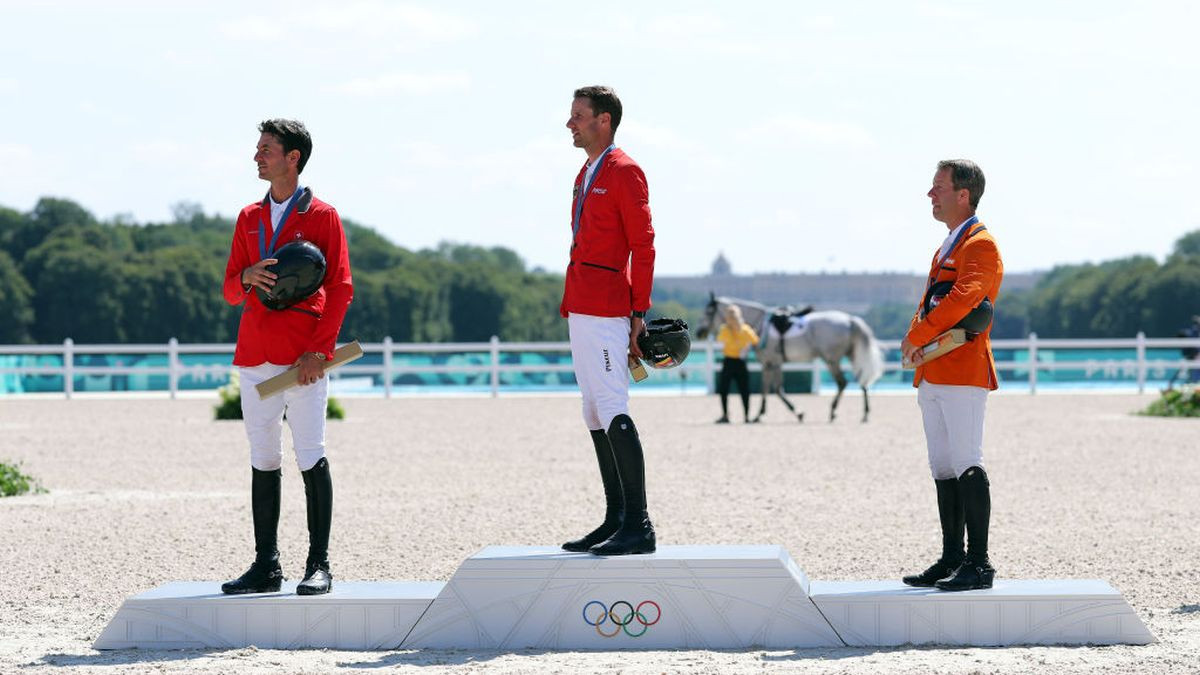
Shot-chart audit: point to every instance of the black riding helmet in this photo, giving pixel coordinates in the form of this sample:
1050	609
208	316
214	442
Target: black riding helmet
666	343
299	272
976	321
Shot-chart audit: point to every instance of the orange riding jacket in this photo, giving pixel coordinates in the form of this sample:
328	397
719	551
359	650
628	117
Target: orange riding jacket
975	267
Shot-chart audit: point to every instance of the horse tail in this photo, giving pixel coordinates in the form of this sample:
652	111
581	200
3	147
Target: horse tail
867	356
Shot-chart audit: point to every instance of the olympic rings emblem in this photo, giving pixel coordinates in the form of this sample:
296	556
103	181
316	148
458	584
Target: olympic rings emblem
622	618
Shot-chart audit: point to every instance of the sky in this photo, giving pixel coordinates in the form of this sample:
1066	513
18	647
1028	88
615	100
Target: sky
792	136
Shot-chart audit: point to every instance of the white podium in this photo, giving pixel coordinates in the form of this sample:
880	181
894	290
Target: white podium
1012	612
195	614
681	597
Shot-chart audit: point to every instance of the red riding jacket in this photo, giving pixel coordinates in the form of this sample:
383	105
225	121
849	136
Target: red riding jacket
612	254
312	325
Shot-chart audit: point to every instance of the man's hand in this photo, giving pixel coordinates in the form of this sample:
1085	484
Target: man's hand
310	368
911	353
637	326
258	276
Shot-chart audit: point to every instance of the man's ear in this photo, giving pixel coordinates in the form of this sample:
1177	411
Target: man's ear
293	157
606	118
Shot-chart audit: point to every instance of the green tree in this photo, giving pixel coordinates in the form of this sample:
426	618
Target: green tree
78	296
48	215
16	297
169	293
1188	245
11	222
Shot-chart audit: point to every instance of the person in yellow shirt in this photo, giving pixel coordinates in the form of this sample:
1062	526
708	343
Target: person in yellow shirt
737	339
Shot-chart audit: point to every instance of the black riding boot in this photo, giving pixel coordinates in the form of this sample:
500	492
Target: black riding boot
265	574
614	507
950	513
636	534
318	490
975	571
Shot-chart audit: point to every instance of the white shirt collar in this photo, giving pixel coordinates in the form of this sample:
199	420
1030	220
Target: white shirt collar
945	250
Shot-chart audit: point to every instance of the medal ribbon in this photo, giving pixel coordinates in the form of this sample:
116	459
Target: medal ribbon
587	187
263	249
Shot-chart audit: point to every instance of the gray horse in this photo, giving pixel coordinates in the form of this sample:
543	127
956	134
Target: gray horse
829	335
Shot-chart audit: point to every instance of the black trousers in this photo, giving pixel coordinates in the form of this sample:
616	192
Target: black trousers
734	370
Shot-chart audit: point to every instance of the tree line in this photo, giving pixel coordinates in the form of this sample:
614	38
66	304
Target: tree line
1111	299
63	273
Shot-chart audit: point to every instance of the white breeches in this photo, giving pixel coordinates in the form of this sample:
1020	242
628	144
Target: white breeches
600	354
953	417
305	406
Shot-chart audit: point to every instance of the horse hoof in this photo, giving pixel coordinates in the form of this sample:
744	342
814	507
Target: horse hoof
800	417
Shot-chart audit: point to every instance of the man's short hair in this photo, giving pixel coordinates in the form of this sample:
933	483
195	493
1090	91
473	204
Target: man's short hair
965	175
602	100
292	136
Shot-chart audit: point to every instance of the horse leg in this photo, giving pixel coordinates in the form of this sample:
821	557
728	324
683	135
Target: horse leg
790	407
866	406
766	390
838	377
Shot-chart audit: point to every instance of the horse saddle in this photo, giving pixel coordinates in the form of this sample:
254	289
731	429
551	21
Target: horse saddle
783	319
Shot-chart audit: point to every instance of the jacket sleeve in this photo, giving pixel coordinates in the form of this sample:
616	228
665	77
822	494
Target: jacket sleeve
979	264
239	259
639	234
339	289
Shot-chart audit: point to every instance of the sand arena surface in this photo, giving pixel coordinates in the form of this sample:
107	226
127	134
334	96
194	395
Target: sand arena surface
148	491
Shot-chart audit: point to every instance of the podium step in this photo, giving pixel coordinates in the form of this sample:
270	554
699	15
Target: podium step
195	614
1012	612
681	597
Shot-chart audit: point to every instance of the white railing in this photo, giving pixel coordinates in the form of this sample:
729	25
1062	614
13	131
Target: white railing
1139	367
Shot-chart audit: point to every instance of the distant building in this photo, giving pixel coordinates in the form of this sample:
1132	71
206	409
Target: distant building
721	266
850	292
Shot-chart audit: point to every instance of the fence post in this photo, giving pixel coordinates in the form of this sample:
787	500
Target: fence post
68	367
710	365
387	367
1033	358
495	349
1141	362
172	366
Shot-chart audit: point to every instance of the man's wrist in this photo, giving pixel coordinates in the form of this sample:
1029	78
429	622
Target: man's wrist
637	314
320	356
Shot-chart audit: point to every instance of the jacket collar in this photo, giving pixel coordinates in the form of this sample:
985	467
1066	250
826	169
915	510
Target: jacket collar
302	205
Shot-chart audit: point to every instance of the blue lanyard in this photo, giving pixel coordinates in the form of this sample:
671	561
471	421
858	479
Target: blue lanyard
267	251
587	187
965	228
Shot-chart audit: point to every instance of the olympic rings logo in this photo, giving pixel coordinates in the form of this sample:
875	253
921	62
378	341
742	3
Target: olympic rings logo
622	615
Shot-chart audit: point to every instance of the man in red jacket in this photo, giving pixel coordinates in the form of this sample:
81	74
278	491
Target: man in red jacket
272	341
605	298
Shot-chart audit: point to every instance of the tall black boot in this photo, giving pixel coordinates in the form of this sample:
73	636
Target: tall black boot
318	490
265	575
950	514
614	508
636	534
976	571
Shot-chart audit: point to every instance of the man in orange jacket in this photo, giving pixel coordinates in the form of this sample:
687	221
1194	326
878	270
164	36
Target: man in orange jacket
952	390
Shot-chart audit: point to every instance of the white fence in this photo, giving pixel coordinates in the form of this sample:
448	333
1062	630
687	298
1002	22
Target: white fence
1140	367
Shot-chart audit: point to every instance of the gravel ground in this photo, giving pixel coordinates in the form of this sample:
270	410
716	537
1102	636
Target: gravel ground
145	491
